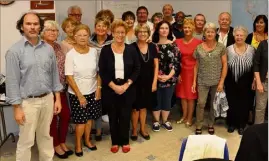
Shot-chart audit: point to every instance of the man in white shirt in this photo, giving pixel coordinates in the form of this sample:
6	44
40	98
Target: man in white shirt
142	17
167	13
225	31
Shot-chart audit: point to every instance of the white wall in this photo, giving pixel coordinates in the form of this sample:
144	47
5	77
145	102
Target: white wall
10	14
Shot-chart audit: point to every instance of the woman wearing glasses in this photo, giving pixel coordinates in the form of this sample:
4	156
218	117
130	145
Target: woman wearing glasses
119	68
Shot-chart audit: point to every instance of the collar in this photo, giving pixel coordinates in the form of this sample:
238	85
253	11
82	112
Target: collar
26	41
218	31
94	38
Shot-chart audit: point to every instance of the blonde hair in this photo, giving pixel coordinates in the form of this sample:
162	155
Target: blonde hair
143	26
105	13
82	27
66	22
119	23
102	20
190	22
49	24
168	5
240	28
210	25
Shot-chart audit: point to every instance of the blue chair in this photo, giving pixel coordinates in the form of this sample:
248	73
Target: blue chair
183	146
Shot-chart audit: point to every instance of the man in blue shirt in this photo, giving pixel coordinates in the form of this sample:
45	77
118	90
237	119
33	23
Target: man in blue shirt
32	77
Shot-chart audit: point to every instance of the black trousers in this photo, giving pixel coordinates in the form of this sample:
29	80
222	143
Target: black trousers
119	114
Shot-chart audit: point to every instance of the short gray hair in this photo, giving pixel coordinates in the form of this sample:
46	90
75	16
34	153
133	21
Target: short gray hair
75	7
210	25
240	28
48	25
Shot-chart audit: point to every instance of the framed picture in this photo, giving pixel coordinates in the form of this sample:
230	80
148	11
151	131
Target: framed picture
42	5
6	2
47	16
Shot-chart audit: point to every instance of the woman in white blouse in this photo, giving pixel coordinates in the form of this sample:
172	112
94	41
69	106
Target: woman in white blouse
84	89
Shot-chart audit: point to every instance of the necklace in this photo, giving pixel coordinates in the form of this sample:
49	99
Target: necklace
145	57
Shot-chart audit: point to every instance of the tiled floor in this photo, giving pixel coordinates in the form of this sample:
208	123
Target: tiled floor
163	146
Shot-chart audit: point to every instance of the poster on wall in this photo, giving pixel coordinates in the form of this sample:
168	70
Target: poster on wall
42	5
244	12
118	7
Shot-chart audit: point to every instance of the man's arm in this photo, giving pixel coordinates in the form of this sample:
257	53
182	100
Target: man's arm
13	77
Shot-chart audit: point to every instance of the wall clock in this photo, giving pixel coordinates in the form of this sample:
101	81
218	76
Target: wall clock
6	2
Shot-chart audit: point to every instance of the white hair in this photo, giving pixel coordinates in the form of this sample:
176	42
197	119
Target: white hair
49	24
240	28
210	25
75	7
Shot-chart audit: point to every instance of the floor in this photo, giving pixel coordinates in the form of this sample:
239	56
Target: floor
163	145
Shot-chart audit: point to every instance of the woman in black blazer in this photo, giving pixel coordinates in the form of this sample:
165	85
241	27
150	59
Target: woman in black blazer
119	68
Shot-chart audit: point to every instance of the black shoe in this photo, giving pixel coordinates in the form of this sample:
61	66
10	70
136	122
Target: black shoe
211	130
98	137
79	154
133	138
69	152
198	131
63	156
240	131
230	129
91	148
146	137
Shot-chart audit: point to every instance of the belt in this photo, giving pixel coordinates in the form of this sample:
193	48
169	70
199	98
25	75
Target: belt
40	96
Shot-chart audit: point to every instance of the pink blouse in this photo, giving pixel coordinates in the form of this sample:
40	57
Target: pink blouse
60	58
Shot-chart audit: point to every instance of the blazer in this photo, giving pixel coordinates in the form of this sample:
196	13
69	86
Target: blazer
107	72
260	63
249	38
230	39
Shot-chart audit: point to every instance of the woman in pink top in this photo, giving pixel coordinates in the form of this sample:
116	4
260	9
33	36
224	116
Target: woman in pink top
187	45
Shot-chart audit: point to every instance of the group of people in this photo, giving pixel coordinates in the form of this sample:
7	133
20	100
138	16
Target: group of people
126	67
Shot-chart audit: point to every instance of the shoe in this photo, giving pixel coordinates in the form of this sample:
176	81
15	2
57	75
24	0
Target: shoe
146	137
91	148
187	124
240	131
167	125
181	121
156	126
105	118
79	154
114	149
98	137
211	130
63	156
126	148
198	131
69	152
231	129
133	138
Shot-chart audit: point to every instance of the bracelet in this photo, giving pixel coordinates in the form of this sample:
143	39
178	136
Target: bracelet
99	87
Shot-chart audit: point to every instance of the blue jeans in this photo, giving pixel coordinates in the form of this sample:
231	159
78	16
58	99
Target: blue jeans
164	97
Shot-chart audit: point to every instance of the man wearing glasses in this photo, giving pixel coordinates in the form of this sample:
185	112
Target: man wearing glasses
75	13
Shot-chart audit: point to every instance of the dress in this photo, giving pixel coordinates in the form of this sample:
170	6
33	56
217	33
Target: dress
238	86
183	88
145	79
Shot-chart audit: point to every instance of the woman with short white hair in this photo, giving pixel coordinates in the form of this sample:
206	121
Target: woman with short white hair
49	35
211	68
239	81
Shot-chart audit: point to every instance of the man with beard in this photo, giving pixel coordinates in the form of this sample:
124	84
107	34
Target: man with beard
177	27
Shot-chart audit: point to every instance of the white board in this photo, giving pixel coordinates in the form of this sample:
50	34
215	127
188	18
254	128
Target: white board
118	7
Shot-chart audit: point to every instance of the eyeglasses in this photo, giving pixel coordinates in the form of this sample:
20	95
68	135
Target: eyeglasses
120	33
75	15
52	30
142	32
